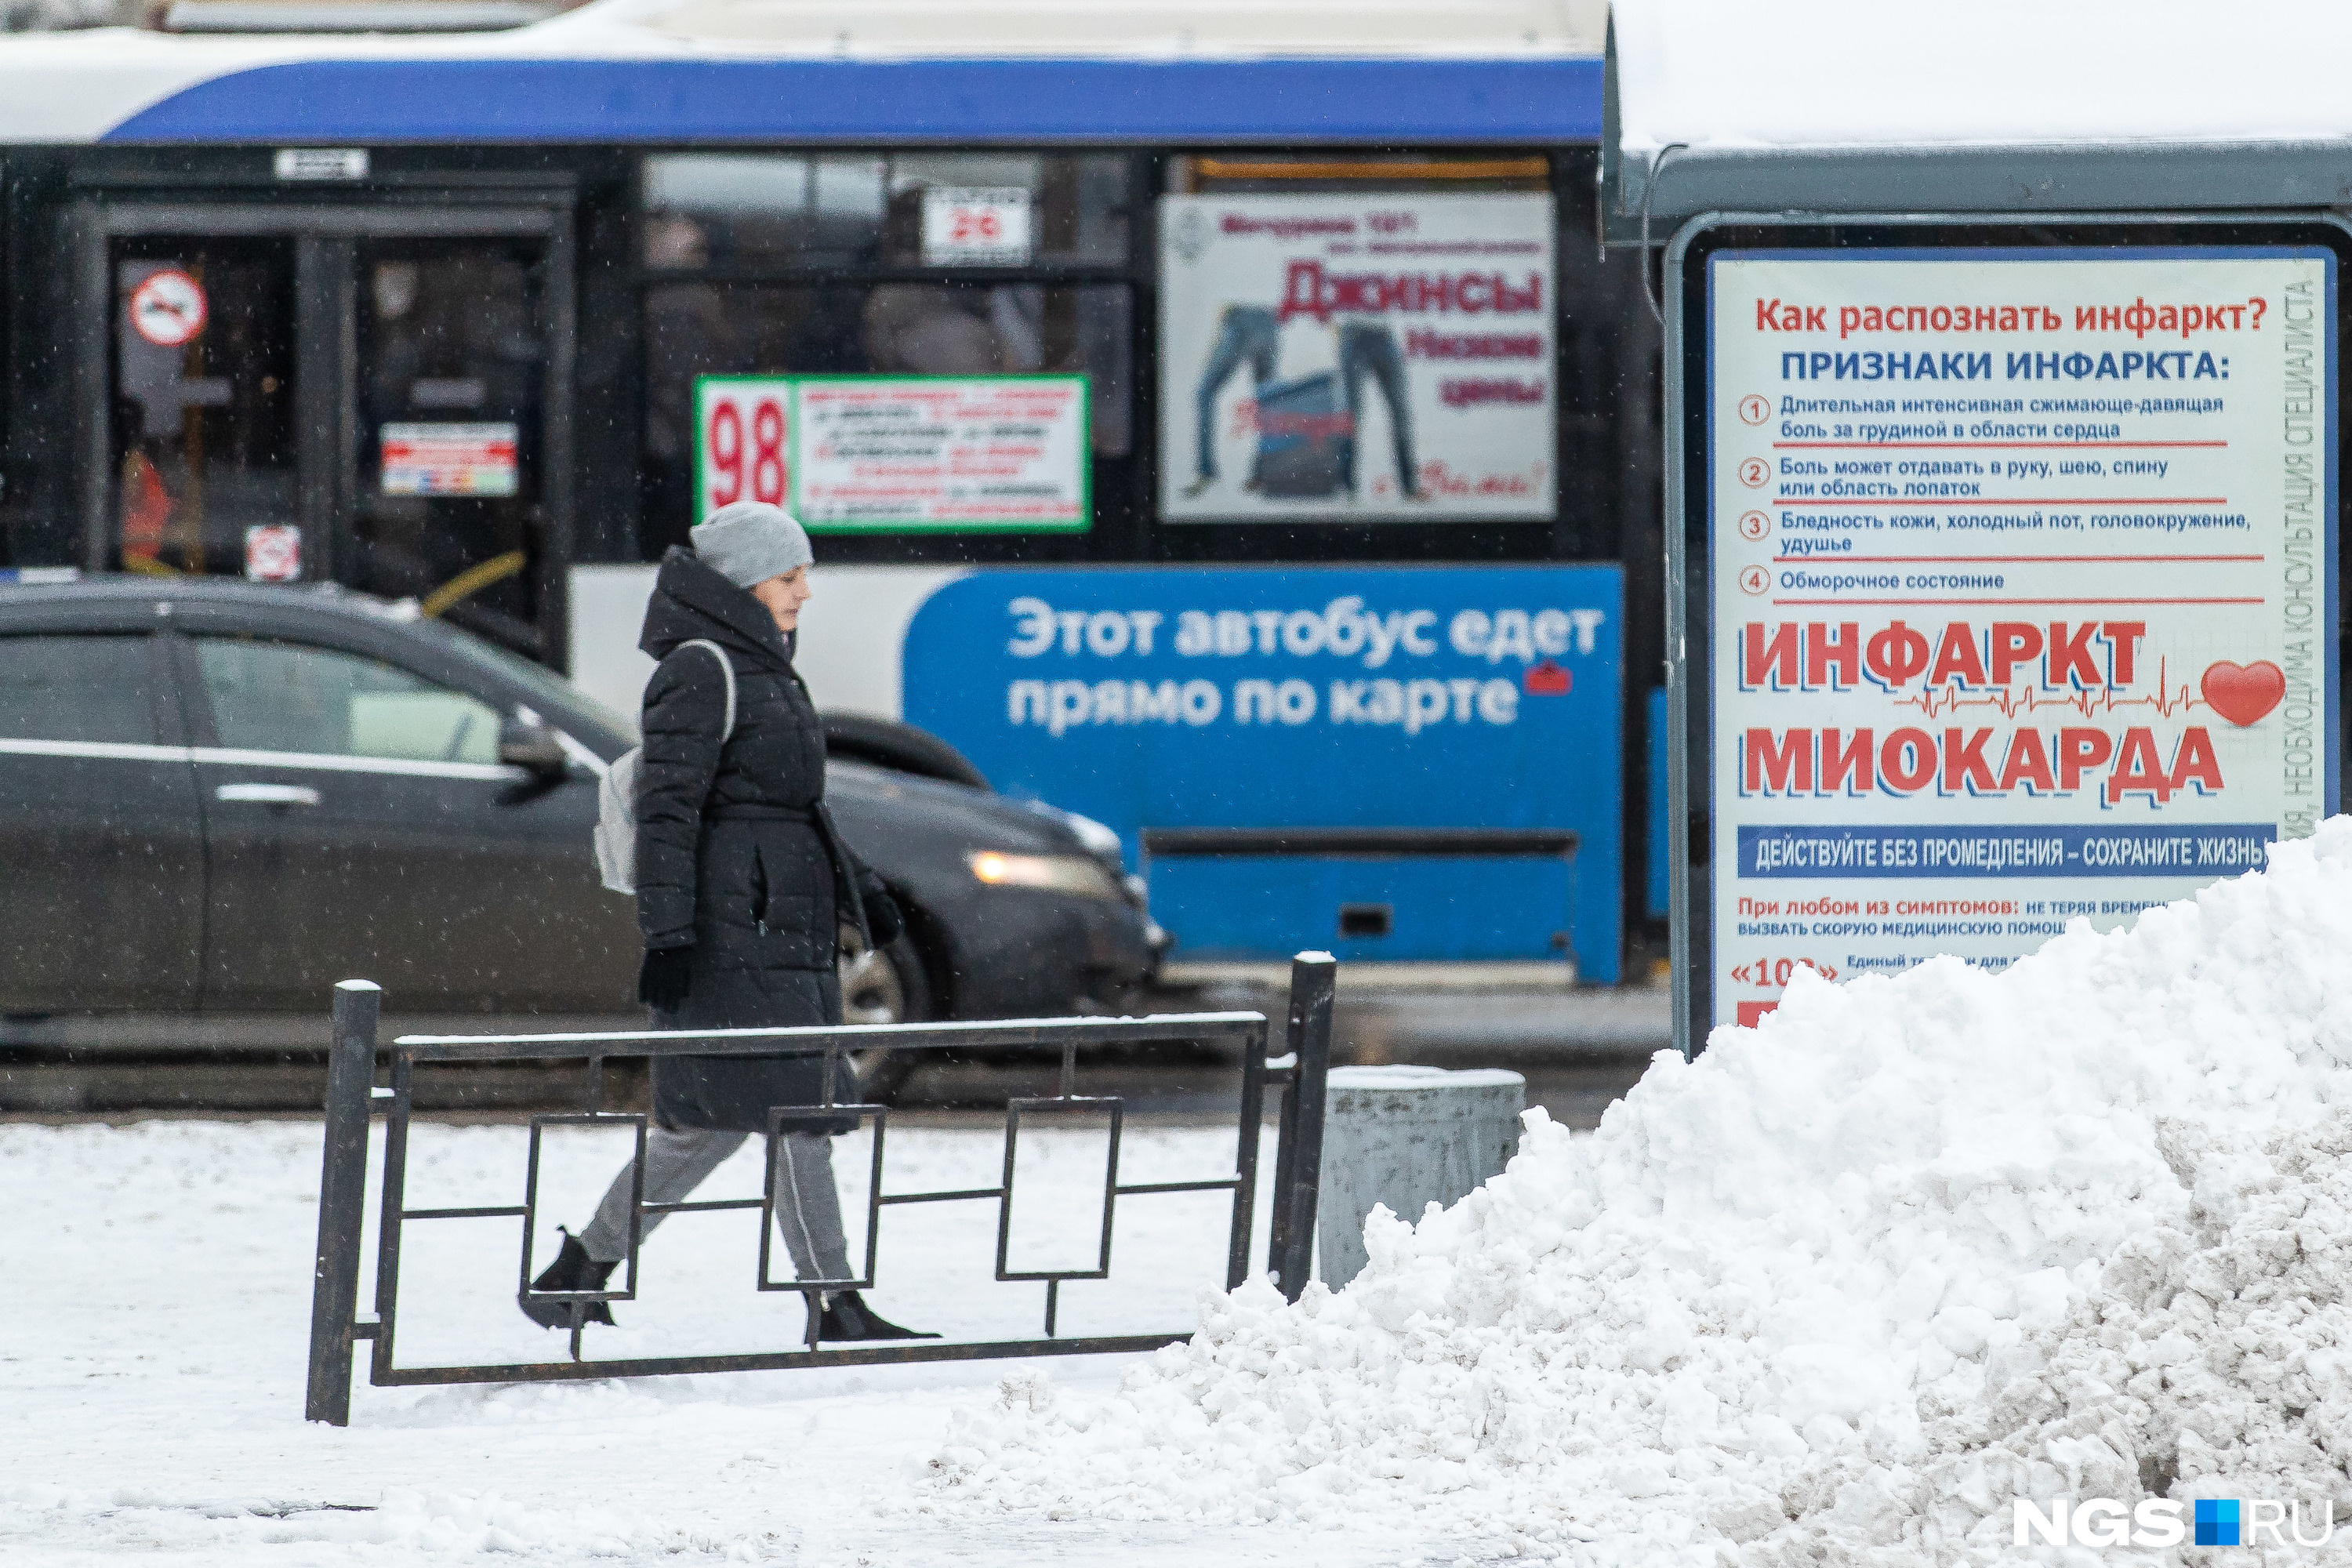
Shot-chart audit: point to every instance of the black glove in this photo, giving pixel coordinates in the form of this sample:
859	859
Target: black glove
665	978
884	919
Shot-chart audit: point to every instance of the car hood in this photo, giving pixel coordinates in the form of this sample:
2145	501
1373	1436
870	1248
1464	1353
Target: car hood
981	820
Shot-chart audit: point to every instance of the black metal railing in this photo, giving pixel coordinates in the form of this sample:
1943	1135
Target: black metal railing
352	1101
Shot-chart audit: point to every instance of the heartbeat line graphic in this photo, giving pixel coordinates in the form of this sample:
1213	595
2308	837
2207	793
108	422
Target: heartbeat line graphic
1939	701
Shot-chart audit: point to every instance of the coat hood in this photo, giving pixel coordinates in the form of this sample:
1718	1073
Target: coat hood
691	600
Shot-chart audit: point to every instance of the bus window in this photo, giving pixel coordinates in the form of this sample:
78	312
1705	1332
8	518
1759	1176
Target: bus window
916	209
448	390
202	401
736	209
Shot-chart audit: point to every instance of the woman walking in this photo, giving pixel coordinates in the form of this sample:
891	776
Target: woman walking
742	884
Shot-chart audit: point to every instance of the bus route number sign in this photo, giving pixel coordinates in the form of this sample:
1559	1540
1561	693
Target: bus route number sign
744	445
975	227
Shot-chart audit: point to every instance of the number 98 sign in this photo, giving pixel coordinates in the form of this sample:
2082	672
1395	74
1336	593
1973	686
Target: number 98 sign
744	441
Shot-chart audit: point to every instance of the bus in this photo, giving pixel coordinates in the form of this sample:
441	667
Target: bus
1222	420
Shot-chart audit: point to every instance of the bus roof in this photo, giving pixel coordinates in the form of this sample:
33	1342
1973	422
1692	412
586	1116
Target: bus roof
696	71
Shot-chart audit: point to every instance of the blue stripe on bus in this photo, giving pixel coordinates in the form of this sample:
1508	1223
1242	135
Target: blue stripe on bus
1280	100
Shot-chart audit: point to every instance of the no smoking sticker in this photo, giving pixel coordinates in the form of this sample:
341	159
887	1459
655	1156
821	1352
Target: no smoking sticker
168	308
273	553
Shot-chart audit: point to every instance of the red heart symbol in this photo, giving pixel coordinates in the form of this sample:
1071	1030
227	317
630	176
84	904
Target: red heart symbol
2243	693
1547	680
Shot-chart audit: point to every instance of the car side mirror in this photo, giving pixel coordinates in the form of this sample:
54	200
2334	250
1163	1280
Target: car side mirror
529	744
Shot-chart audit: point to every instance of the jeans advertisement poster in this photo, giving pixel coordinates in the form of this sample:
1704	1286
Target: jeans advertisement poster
1385	356
1447	739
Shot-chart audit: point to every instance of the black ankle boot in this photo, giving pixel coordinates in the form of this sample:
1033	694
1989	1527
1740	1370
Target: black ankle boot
847	1317
572	1270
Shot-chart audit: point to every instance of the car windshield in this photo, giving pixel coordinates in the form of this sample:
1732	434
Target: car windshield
551	690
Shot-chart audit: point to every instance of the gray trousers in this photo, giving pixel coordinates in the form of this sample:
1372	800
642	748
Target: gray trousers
1366	351
808	1205
1246	335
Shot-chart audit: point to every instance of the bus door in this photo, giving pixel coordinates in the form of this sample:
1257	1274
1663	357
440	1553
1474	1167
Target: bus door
372	396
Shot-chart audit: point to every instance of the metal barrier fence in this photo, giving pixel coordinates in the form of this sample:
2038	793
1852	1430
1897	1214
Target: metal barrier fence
352	1101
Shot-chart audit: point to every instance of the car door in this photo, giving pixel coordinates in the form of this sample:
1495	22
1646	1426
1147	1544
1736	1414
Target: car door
101	841
362	826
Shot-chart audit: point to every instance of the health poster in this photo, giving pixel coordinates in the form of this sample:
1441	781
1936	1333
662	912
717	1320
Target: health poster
2022	593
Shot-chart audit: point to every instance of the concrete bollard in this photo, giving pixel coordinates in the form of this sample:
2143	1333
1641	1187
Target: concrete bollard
1407	1137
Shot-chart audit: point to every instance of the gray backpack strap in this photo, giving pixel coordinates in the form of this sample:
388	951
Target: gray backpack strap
727	666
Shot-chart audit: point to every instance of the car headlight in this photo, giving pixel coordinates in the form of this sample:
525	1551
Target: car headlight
1054	873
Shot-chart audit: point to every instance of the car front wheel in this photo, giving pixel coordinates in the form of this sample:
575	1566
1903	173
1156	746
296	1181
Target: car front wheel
882	985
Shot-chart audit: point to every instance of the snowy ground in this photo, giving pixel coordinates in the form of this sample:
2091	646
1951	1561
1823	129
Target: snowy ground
156	1309
1845	1290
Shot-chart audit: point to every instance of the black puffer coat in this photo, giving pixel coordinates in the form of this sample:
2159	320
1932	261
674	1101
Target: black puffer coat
736	857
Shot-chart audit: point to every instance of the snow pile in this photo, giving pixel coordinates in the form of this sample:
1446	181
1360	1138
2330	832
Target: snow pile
1791	1300
2213	1361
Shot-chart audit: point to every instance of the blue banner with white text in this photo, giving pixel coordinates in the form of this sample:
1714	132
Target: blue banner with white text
1393	699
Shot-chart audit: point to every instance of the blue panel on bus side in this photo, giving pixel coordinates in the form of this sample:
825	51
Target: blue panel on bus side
1395	698
1252	908
658	101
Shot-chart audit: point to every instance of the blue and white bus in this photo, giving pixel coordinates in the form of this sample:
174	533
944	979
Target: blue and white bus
1221	420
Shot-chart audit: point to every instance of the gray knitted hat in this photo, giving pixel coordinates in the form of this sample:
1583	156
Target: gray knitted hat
749	541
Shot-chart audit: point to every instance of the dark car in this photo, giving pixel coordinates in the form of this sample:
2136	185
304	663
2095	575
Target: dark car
221	798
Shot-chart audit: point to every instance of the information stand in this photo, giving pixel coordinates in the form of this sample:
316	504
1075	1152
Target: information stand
2005	560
